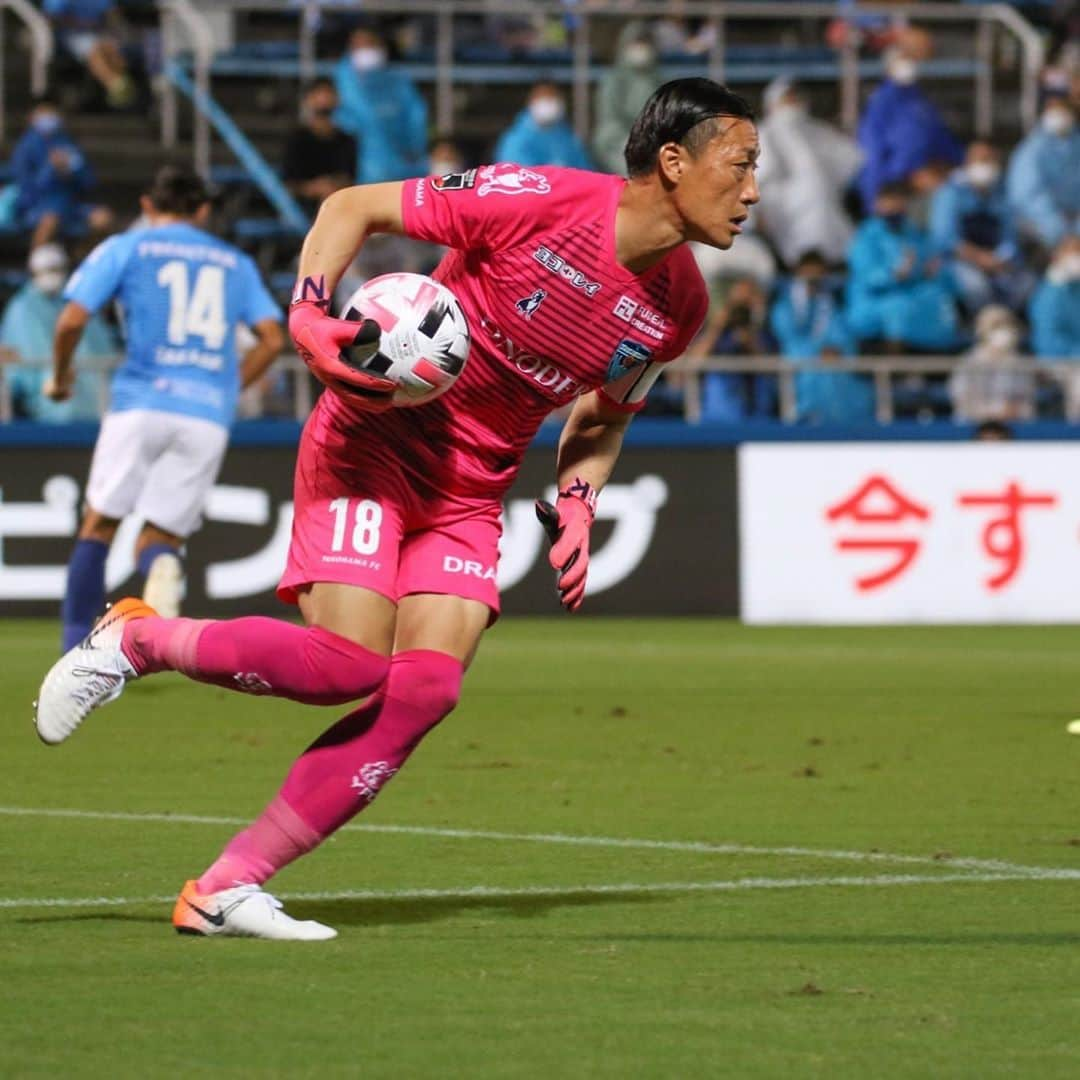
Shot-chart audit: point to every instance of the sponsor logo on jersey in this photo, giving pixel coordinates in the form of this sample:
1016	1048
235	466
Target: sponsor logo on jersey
460	181
628	354
558	265
452	564
528	305
510	180
542	372
650	323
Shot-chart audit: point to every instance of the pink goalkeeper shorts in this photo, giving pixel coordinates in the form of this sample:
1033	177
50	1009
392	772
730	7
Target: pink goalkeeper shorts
361	518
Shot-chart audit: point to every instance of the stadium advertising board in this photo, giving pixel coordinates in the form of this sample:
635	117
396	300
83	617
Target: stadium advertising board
664	541
926	533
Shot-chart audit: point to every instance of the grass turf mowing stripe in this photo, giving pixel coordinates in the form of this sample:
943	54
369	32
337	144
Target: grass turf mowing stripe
694	846
489	892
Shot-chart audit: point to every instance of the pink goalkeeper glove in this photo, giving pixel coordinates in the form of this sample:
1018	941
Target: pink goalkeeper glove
332	347
567	524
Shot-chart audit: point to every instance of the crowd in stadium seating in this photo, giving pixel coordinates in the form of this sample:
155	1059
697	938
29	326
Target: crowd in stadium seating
899	241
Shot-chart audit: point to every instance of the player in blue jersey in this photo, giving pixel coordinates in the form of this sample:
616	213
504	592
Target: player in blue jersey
183	293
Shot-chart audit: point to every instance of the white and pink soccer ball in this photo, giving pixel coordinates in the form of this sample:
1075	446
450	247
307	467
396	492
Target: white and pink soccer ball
425	337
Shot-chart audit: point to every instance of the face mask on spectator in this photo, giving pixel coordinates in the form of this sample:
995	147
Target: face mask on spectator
546	110
639	55
1003	339
894	219
50	282
46	123
983	174
1057	121
903	70
1065	269
368	58
444	166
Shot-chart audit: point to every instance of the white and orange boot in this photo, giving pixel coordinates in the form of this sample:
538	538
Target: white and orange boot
242	911
88	676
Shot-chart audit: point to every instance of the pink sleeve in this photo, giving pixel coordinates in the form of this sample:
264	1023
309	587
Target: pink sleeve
628	392
491	207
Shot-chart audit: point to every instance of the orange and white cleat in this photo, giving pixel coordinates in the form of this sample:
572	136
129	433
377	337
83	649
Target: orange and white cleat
243	911
88	676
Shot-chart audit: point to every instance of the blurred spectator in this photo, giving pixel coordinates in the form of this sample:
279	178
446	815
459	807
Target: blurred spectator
994	381
1054	315
540	134
83	28
319	157
897	291
736	328
901	129
993	431
26	333
52	178
1044	176
924	184
383	109
972	227
623	90
445	156
808	322
806	166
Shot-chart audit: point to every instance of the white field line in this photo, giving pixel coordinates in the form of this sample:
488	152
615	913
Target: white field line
488	892
992	866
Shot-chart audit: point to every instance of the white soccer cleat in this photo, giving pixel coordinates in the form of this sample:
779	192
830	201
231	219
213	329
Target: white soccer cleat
164	589
88	676
243	911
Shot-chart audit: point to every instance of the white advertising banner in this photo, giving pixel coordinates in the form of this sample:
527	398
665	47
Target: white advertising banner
909	533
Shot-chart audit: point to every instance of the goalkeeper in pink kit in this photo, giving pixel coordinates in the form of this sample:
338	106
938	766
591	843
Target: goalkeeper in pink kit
578	288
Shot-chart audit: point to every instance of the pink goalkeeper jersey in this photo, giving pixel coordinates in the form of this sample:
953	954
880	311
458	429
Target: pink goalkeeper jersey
551	312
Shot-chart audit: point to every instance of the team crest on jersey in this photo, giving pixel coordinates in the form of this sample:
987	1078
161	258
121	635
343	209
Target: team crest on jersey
628	354
509	179
461	181
527	306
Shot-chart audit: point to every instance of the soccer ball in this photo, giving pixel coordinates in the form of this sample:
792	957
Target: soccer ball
425	338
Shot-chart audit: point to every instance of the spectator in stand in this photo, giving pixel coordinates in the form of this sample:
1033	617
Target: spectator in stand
84	30
383	109
897	291
972	227
26	334
540	134
445	157
319	157
53	178
1055	317
808	322
806	166
994	381
1044	176
624	89
902	129
736	328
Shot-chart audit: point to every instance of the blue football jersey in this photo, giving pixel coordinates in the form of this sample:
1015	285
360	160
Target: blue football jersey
182	293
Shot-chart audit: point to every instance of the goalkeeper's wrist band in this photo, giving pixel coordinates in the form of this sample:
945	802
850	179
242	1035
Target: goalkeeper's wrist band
583	490
311	290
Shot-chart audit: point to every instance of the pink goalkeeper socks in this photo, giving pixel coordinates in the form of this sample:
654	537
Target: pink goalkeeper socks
257	655
343	770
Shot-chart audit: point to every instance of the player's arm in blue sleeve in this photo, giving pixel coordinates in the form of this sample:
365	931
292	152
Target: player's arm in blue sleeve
263	316
98	279
91	286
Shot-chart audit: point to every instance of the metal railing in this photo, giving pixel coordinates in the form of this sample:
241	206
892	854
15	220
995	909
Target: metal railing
882	370
178	18
41	50
987	20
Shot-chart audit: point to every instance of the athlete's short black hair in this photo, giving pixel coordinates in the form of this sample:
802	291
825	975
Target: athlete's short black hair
675	113
177	189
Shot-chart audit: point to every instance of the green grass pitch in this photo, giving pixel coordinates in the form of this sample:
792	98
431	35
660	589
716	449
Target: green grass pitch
844	853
